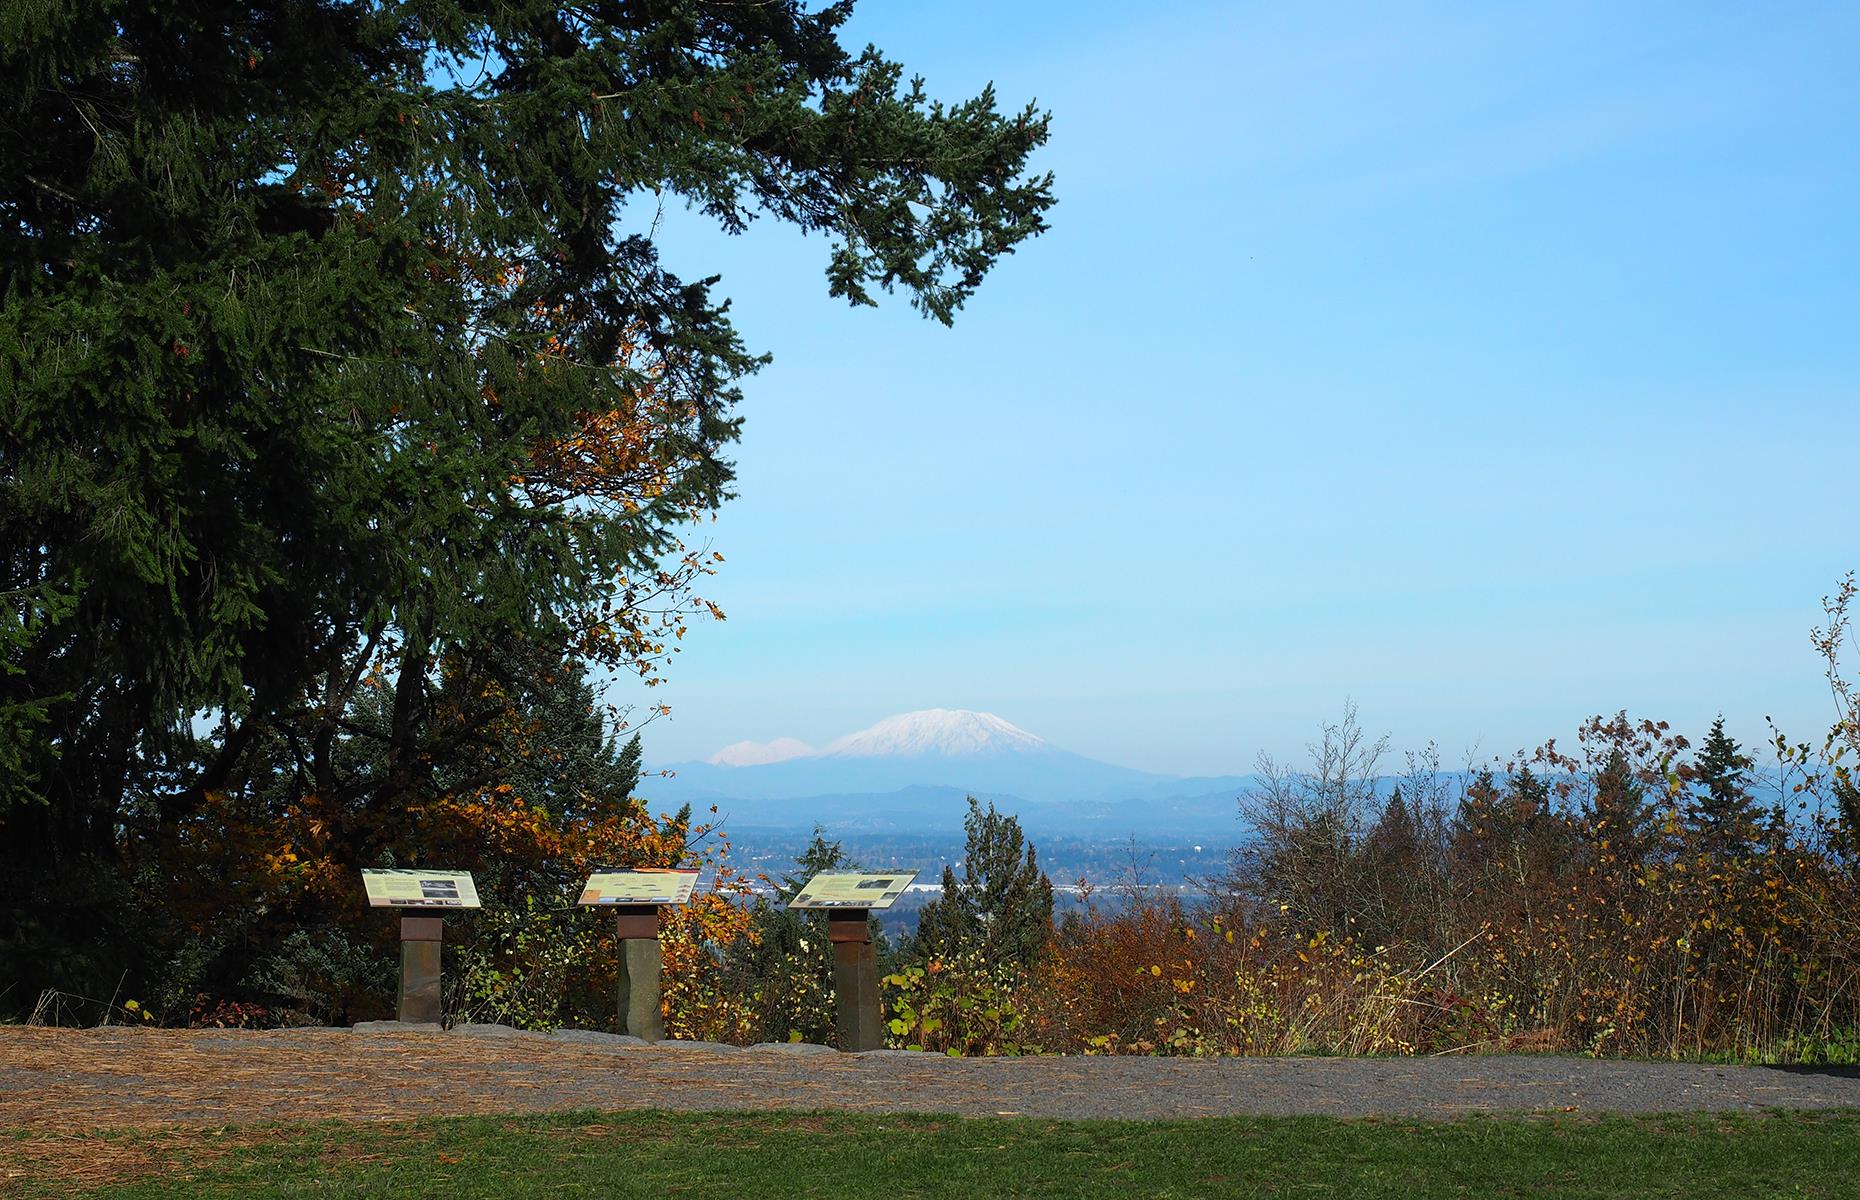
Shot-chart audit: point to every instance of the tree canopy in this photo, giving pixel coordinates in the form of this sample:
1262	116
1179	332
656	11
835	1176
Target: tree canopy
337	347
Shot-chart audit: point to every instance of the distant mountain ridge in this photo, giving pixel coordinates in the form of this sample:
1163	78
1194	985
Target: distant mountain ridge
911	771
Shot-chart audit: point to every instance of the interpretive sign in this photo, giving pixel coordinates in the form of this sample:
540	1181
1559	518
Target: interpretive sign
853	889
639	887
420	889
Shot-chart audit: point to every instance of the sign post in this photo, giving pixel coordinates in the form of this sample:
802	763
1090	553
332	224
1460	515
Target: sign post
636	897
421	993
849	897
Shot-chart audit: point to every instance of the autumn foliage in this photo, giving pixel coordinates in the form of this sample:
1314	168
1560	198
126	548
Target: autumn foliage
260	890
1625	898
1628	894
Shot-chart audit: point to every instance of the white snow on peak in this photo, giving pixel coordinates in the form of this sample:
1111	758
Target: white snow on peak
756	754
936	731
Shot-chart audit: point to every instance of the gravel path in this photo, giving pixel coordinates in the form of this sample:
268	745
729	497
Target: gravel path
73	1080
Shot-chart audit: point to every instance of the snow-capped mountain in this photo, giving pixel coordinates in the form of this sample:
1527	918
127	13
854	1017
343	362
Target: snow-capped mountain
756	754
934	732
912	771
944	732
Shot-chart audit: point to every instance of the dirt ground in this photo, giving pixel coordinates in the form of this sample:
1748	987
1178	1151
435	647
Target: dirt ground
73	1081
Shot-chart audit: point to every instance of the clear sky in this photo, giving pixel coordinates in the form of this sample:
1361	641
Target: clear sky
1492	365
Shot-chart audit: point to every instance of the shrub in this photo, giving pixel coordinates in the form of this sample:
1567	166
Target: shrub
959	1005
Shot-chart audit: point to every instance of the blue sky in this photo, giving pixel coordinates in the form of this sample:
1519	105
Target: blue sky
1490	365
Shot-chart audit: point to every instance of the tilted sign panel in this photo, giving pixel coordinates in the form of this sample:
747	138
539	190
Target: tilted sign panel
639	887
407	888
853	889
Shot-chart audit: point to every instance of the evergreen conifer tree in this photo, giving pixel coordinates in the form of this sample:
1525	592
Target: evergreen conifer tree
1396	875
1728	818
1617	816
336	339
1529	799
1002	903
1497	826
1477	822
1394	830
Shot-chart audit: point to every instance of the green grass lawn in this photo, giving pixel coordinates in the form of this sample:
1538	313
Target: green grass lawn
756	1156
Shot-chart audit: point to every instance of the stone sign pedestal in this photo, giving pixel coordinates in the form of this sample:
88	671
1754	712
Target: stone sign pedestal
640	1007
420	994
855	979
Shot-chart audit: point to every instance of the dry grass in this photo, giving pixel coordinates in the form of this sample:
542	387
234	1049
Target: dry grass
87	1161
176	1100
